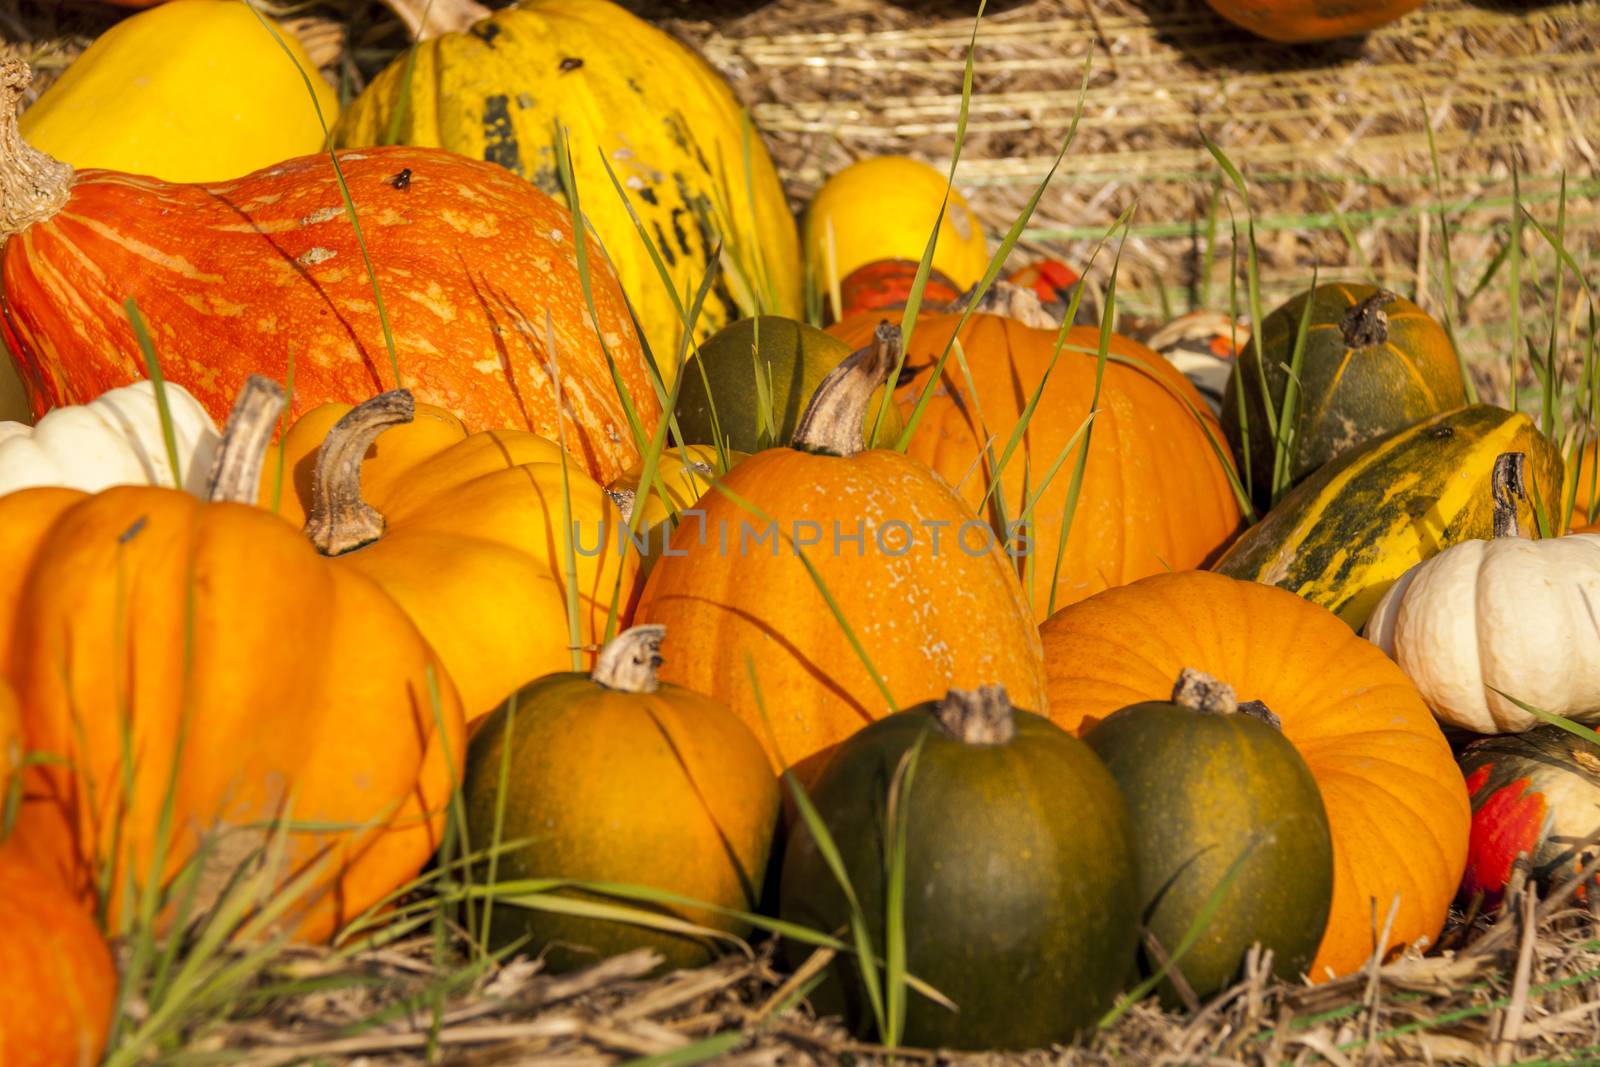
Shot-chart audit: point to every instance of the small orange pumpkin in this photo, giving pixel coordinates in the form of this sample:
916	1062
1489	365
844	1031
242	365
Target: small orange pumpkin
255	680
1155	493
920	580
1397	806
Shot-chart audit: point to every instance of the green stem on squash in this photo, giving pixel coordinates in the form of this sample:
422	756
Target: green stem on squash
1200	692
340	521
33	184
236	470
1509	484
629	661
982	716
831	424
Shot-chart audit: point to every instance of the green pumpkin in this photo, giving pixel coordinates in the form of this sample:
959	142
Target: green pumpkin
1373	363
791	359
1343	536
1020	891
1207	781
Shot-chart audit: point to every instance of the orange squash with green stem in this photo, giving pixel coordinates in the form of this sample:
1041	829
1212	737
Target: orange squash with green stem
477	271
469	532
255	685
1156	493
921	582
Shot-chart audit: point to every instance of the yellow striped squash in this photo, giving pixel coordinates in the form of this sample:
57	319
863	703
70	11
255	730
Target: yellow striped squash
632	98
1343	536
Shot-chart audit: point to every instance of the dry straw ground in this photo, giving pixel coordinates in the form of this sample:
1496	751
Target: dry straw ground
1322	133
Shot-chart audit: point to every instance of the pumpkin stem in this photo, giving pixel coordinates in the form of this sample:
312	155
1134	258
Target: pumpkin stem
1509	484
629	660
831	423
236	469
340	520
33	184
1199	691
430	18
1367	323
1011	302
981	716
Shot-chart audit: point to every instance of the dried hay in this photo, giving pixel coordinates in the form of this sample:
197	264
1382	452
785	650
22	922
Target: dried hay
1525	987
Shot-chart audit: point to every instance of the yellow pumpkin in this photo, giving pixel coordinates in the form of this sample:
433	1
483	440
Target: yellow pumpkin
190	91
631	99
468	532
884	208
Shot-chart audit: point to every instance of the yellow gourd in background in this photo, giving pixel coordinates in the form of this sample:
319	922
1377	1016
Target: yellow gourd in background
190	91
884	207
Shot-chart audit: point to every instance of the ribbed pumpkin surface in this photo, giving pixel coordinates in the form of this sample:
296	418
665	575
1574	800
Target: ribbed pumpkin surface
1155	492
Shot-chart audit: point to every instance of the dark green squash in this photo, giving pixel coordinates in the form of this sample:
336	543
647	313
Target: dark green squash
1021	897
1373	363
791	356
1208	781
1343	536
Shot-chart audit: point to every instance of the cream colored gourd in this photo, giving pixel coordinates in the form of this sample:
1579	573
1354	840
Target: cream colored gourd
1508	614
115	439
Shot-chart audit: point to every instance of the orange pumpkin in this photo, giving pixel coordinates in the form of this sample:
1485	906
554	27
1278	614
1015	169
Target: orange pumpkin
1293	21
263	682
57	981
916	575
466	531
1397	806
1155	492
477	269
1585	472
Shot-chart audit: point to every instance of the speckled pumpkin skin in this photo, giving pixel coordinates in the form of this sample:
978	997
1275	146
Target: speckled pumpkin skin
233	277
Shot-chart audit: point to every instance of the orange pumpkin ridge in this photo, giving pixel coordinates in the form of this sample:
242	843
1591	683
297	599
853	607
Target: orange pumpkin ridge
477	269
1397	806
1155	494
931	618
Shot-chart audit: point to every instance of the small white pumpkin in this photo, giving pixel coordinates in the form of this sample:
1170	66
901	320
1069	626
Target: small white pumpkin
1513	615
114	439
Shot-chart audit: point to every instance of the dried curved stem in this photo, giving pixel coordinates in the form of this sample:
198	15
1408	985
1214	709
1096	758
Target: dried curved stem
33	184
981	716
1014	302
831	423
340	521
629	661
236	468
1199	691
430	18
1367	323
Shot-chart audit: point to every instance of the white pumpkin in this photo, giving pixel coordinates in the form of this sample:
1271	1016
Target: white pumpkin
115	439
1513	615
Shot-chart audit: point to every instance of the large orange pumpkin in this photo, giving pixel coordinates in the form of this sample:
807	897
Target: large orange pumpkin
1585	472
1293	21
1397	806
466	531
1155	493
242	673
57	982
916	575
477	269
